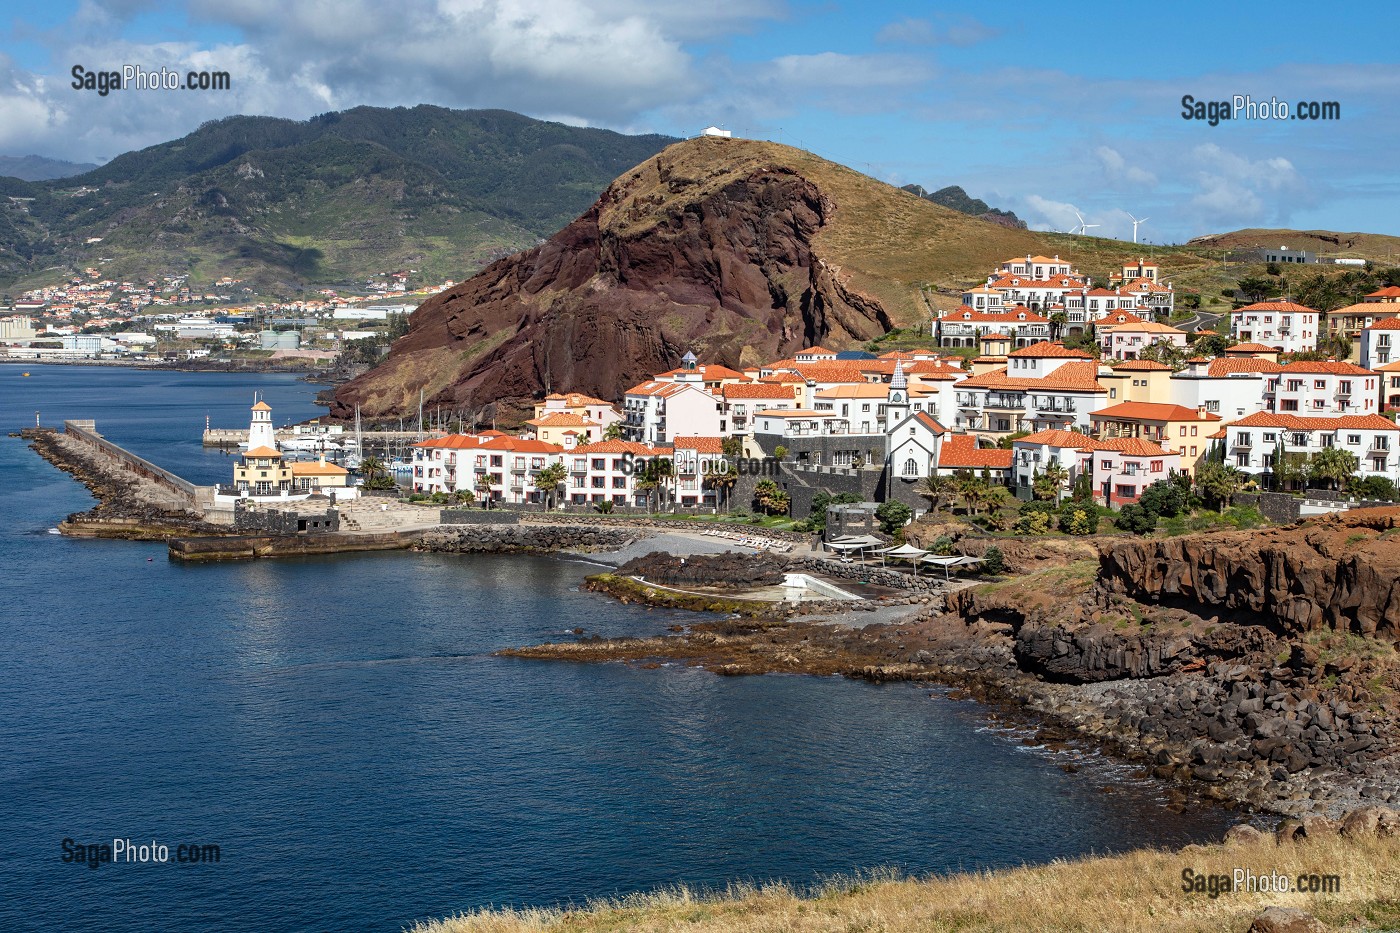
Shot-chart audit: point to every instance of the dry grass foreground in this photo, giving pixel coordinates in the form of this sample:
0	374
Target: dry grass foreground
1137	891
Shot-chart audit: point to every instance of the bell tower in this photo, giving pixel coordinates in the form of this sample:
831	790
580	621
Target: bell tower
260	433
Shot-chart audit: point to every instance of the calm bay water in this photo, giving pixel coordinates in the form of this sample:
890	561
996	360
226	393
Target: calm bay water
339	727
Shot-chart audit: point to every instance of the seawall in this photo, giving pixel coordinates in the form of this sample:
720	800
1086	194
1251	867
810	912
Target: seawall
249	547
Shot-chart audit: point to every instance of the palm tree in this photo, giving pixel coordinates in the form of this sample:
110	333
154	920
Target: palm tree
1333	464
938	489
1056	474
547	481
722	483
615	432
1219	481
971	489
376	476
483	488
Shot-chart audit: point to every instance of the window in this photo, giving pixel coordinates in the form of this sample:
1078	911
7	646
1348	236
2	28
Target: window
1300	440
1182	432
1354	440
619	482
1193	430
1125	492
600	463
910	467
1378	464
1106	464
1319	383
598	482
1156	466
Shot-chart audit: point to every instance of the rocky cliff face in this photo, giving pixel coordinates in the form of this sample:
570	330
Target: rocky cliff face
1341	572
675	255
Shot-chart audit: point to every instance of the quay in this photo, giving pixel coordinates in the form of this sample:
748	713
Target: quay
232	437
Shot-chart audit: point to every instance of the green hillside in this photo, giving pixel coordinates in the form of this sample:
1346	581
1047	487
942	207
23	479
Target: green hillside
330	201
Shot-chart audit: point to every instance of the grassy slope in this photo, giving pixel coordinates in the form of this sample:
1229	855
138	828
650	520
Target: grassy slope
1374	246
1137	891
892	245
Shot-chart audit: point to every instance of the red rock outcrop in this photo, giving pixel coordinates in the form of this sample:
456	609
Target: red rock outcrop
674	256
1339	572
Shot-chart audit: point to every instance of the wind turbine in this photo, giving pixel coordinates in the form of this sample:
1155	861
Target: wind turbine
1135	225
1083	227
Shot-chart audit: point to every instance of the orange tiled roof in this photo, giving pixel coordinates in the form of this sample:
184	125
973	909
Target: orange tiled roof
1056	437
1241	364
521	446
1277	306
704	445
616	447
960	452
574	399
1132	446
561	419
1078	376
747	390
1251	348
261	406
1390	323
1266	419
930	422
318	469
1390	291
1328	367
451	442
1045	349
263	452
1152	411
1119	318
1140	366
965	314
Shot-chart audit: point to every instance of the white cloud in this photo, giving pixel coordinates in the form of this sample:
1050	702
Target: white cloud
962	31
1044	214
1119	172
1236	191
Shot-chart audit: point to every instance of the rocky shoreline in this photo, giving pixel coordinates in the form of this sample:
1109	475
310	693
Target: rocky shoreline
1252	711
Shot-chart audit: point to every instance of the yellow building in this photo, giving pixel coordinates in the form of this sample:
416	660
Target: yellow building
1137	381
321	477
262	472
1174	427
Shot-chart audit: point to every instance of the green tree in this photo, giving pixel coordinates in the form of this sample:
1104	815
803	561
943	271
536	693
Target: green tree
770	498
463	496
1079	518
732	447
1165	499
1218	482
938	490
893	515
548	480
780	452
483	489
1373	487
375	474
1210	345
1058	320
722	483
972	489
1334	465
1136	519
1257	287
615	432
993	563
1169	354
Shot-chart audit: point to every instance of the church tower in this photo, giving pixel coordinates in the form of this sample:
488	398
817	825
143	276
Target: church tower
260	433
898	407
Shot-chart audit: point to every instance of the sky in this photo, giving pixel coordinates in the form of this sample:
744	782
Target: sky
1044	109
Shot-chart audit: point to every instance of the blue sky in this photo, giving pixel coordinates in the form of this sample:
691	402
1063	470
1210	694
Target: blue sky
1041	108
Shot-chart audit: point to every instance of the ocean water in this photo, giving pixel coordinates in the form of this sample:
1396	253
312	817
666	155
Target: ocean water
341	730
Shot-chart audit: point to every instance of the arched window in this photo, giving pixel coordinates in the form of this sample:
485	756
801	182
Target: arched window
910	467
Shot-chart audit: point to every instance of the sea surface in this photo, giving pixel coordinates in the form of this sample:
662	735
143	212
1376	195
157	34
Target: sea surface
339	728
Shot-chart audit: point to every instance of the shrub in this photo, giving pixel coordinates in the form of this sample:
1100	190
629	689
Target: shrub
802	525
1033	522
893	516
1136	519
942	546
1165	498
992	560
1079	519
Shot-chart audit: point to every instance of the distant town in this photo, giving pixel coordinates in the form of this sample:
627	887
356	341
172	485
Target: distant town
91	317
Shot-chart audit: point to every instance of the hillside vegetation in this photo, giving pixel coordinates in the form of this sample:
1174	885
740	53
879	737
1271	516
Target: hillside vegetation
1138	891
331	200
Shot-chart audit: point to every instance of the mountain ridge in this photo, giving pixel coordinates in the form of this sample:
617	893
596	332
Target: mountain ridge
288	205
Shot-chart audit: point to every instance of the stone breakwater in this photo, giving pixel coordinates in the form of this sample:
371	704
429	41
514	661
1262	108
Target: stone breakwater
879	576
663	524
530	538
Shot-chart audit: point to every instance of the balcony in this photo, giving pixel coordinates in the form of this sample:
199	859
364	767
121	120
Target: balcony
1242	442
1006	402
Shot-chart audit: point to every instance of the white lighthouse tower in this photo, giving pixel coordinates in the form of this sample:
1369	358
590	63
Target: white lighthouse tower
260	433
